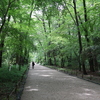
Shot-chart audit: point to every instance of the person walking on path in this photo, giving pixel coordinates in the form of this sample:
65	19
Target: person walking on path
33	64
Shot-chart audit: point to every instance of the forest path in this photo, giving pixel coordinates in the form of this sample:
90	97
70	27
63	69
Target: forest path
47	84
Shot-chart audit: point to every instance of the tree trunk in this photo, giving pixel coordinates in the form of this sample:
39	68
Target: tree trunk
45	58
79	37
3	35
86	36
54	57
49	58
1	48
78	59
84	70
1	52
91	64
62	62
4	19
44	26
55	61
69	61
95	63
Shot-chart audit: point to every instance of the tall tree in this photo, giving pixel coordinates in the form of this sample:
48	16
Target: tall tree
79	37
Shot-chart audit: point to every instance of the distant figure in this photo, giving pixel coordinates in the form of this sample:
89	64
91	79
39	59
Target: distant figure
33	64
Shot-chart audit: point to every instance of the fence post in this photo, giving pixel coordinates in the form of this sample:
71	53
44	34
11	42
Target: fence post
76	72
16	88
90	77
7	97
82	75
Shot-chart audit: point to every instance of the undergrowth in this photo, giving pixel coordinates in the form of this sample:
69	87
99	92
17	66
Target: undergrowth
9	78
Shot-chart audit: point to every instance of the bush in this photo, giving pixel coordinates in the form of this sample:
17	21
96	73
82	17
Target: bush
10	76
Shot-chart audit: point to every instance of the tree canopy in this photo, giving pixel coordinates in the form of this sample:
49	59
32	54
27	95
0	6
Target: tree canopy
63	33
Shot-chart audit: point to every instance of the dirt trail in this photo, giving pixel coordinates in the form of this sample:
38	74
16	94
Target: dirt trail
47	84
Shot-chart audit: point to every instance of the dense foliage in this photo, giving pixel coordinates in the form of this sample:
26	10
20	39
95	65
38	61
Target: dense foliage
9	79
64	33
12	75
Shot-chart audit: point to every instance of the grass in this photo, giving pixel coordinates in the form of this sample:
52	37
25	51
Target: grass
8	79
10	76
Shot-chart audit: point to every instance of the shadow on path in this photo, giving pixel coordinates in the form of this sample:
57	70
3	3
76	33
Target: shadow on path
47	84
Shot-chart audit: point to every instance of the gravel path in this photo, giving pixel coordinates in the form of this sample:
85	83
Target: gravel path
47	84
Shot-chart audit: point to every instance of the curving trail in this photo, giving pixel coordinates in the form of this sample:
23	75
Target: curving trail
48	84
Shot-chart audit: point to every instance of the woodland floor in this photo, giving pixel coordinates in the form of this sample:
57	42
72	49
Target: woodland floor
48	84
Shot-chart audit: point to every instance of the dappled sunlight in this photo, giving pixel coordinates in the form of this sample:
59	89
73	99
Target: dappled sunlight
35	74
44	84
61	78
89	90
45	75
51	73
30	89
45	70
66	78
83	94
87	93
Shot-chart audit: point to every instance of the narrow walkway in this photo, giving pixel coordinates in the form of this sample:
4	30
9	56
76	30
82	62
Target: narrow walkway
47	84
